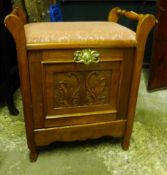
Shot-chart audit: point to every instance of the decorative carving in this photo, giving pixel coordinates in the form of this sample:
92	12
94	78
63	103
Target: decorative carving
81	89
86	56
67	89
96	88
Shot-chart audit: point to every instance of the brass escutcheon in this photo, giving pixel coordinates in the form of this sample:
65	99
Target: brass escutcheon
86	56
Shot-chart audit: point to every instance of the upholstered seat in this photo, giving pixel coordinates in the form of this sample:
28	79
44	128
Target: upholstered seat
78	33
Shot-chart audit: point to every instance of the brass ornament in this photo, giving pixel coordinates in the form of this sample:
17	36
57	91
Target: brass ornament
86	56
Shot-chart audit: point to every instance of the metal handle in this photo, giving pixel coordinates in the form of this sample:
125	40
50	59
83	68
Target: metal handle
86	56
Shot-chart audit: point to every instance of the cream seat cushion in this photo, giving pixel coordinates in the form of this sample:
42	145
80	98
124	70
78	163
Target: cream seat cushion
78	32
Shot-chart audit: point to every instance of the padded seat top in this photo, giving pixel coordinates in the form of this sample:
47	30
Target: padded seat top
69	34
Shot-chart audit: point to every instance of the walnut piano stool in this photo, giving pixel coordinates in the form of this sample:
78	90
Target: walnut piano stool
79	80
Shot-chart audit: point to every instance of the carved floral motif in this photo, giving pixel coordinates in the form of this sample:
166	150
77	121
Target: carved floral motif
81	89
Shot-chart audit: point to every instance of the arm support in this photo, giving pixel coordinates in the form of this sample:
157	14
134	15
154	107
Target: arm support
144	26
142	19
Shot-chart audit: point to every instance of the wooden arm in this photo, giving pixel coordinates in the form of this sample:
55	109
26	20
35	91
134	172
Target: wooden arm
115	13
15	22
142	19
144	26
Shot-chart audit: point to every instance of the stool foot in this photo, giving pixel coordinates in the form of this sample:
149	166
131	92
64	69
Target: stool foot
33	156
125	144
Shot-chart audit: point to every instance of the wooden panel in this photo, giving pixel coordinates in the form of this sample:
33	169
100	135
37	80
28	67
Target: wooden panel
79	132
126	82
47	98
76	88
36	88
80	118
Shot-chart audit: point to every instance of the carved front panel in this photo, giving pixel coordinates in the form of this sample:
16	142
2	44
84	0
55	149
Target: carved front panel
76	88
81	88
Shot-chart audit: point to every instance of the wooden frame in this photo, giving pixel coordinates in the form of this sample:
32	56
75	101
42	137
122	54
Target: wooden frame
15	23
